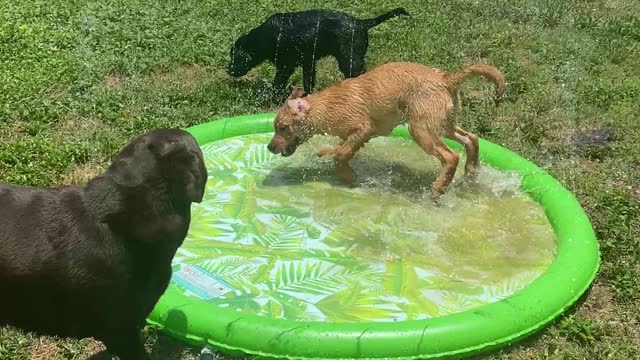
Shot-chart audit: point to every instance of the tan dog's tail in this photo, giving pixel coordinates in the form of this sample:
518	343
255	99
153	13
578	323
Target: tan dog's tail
487	71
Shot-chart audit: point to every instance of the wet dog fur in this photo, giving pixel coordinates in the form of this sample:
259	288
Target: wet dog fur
289	40
93	260
374	103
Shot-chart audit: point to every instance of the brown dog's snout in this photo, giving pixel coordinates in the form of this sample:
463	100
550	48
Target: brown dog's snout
277	144
271	147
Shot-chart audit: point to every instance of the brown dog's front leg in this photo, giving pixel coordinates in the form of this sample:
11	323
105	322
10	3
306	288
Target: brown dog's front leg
344	170
327	152
345	152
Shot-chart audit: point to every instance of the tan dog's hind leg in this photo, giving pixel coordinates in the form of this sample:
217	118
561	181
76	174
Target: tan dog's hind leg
427	139
470	142
345	152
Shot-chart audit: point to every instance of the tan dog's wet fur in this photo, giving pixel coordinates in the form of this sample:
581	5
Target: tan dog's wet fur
374	103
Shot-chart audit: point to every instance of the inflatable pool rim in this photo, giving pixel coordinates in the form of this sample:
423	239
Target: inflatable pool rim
461	334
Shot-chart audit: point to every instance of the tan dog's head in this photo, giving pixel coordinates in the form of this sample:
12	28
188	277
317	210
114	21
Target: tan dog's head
289	125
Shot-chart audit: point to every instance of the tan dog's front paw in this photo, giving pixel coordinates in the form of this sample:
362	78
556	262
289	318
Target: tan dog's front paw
347	179
436	193
326	152
471	176
471	172
345	173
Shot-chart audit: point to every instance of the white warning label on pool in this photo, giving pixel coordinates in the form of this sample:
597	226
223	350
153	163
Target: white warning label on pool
200	282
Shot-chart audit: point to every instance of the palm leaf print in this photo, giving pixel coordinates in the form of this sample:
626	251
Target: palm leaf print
402	281
284	232
310	278
285	241
354	303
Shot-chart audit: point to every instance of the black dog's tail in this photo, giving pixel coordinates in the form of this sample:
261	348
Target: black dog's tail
369	23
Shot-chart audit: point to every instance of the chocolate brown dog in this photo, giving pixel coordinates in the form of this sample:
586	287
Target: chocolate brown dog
372	104
92	261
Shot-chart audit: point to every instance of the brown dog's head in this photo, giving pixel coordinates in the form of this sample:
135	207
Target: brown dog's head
289	125
163	161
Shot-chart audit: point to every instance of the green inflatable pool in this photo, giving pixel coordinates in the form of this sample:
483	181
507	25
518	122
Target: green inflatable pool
283	262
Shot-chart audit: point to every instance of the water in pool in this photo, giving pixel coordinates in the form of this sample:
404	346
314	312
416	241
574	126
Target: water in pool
280	237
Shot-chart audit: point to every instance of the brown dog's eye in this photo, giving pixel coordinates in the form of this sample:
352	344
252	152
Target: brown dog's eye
282	127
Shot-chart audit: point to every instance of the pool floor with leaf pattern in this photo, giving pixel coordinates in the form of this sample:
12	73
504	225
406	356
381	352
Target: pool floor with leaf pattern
281	238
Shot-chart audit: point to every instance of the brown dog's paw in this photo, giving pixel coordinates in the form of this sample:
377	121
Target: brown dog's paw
471	173
346	176
326	152
436	194
438	201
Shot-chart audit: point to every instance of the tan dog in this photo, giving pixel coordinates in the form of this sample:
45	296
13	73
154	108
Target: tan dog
372	104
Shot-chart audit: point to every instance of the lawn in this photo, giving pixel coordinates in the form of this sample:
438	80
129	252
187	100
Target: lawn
80	78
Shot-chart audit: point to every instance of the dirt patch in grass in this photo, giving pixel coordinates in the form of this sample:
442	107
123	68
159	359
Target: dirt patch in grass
114	81
184	76
44	348
93	350
78	127
81	174
599	305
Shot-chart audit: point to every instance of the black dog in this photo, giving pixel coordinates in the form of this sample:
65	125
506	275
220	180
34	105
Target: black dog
92	261
292	39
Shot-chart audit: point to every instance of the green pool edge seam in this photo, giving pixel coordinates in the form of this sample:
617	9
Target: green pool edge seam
457	335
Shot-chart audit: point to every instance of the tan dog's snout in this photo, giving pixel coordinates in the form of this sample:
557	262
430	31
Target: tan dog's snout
287	136
277	144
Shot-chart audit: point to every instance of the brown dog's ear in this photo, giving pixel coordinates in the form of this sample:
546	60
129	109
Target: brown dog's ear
168	153
186	166
162	147
296	93
196	182
299	107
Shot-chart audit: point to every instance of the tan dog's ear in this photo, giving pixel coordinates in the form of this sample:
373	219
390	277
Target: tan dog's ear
296	93
299	107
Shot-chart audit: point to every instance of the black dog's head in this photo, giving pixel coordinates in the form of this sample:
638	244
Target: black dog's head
167	161
244	57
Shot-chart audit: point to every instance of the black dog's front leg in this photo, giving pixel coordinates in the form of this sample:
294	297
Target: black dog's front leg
309	75
280	82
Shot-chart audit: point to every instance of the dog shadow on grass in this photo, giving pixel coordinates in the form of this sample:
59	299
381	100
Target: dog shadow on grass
163	347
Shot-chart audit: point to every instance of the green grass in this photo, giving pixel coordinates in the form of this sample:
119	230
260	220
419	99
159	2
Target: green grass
79	78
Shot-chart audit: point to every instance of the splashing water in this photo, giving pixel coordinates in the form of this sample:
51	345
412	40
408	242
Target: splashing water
315	42
351	55
290	242
275	60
